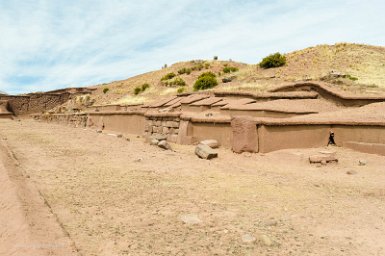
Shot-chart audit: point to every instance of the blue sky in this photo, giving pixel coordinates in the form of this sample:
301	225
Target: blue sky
49	44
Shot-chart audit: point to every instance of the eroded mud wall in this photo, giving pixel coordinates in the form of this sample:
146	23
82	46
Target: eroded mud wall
361	133
278	137
34	103
123	123
221	132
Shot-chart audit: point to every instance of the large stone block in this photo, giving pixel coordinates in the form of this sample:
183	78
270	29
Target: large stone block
205	152
245	135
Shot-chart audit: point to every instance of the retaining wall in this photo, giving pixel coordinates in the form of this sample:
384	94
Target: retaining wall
270	136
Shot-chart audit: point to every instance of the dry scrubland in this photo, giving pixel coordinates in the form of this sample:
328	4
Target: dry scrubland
366	63
118	197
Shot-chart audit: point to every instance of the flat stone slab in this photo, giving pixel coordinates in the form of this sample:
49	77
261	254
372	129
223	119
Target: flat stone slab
205	152
322	158
210	143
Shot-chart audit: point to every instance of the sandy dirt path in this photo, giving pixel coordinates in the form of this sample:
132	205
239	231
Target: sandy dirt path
27	225
118	197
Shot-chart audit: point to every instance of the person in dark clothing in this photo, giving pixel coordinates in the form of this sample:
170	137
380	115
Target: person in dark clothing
331	139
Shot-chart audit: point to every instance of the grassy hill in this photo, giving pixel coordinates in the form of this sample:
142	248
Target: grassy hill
361	68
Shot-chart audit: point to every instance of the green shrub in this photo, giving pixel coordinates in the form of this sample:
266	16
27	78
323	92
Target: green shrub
168	76
137	90
210	74
228	69
184	71
175	82
145	87
205	82
181	90
353	78
105	90
197	67
273	61
207	65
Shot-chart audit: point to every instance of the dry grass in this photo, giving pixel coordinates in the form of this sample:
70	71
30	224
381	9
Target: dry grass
367	63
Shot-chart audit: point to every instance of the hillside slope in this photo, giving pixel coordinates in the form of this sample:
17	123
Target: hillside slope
359	69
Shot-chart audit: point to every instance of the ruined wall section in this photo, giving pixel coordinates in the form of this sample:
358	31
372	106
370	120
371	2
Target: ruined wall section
166	125
34	103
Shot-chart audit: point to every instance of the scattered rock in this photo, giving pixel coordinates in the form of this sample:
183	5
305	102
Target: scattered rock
247	238
159	137
191	219
128	139
138	160
271	223
163	144
352	172
205	152
210	143
154	142
265	240
362	162
119	135
99	131
323	158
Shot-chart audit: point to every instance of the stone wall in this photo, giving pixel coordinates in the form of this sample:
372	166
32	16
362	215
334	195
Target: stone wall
168	126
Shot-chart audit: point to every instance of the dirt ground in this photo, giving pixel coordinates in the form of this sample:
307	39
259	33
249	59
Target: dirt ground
69	191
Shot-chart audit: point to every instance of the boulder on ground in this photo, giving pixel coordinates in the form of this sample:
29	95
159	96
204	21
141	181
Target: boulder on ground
163	144
210	143
323	158
205	152
154	142
159	137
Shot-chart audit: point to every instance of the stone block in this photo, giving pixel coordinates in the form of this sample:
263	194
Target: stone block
245	136
205	152
210	143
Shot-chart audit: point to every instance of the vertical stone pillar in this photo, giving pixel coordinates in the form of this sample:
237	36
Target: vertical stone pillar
245	135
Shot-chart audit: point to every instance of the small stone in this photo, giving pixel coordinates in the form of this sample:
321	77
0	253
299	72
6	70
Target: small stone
271	223
210	143
352	172
265	240
128	139
138	160
154	142
99	131
247	238
163	144
362	162
159	137
119	135
191	219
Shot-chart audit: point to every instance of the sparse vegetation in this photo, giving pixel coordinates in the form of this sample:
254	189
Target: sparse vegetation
210	74
105	90
184	71
175	82
197	67
142	88
205	81
168	76
137	90
229	69
353	78
273	61
207	65
181	90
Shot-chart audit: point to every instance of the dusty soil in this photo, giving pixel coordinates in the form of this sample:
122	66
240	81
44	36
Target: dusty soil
110	196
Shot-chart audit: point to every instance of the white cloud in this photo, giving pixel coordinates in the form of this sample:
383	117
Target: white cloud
51	44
